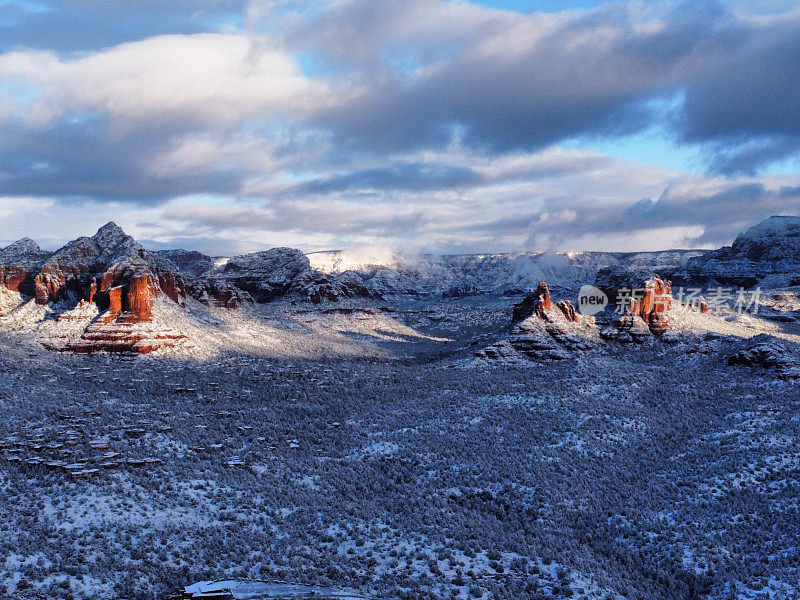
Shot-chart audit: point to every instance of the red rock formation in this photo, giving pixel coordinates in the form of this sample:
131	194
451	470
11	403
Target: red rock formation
107	280
650	315
115	300
41	294
120	336
703	305
169	285
17	280
657	297
542	334
537	302
543	294
218	292
655	305
565	306
109	269
139	298
659	322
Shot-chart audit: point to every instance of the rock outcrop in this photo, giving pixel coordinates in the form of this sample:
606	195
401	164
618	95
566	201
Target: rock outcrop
565	306
389	274
542	332
109	269
216	291
119	335
87	268
655	305
770	353
190	262
265	276
535	303
616	280
646	312
19	264
769	250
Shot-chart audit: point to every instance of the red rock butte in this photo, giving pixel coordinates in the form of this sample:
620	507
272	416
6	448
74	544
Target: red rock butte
110	270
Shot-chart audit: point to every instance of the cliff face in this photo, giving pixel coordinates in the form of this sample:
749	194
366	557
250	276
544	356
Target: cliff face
770	249
267	275
18	264
109	269
190	262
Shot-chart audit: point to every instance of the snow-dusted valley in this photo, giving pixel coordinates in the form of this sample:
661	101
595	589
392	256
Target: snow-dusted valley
395	427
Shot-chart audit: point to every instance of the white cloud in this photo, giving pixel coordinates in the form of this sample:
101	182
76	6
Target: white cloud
198	81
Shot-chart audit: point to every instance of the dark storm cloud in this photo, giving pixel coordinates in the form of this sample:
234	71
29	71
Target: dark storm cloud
400	176
748	104
79	161
507	82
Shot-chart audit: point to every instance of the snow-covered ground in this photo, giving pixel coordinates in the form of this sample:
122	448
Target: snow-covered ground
336	446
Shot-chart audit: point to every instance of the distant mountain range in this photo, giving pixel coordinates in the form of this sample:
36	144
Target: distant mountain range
768	252
111	273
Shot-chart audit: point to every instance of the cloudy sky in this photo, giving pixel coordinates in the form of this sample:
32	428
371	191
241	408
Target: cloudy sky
438	125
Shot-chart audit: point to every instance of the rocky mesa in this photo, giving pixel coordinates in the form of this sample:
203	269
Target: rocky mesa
109	271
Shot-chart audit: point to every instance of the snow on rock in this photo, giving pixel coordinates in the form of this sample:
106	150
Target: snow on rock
121	336
647	310
393	274
565	306
190	262
219	292
316	286
548	334
87	268
766	254
544	333
769	352
17	262
655	304
767	251
270	274
537	302
109	269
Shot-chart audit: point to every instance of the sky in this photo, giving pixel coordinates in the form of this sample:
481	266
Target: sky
446	126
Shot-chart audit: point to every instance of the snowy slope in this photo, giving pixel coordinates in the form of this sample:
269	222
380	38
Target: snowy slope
466	274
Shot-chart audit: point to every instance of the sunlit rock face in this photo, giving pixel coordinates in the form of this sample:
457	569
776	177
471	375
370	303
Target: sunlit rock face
139	297
646	312
543	332
87	268
268	274
18	266
109	269
537	302
655	305
565	306
122	335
